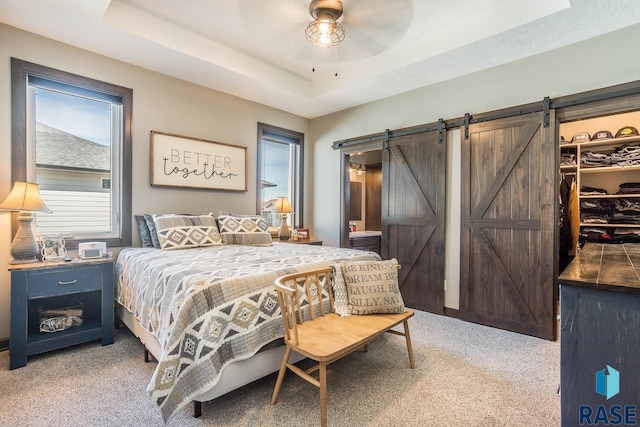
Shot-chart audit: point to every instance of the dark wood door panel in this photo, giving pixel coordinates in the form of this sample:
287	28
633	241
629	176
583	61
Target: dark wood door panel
506	279
413	217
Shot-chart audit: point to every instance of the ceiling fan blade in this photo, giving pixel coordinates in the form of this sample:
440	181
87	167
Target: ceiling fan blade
372	26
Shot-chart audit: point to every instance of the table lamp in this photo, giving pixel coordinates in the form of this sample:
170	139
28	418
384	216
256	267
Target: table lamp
283	207
25	199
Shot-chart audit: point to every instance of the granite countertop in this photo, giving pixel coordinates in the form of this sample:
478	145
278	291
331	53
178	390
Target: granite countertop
605	266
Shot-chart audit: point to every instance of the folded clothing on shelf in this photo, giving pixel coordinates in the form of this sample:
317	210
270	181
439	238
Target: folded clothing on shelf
592	191
629	188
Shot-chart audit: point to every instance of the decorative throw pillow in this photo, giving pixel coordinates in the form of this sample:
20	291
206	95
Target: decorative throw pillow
372	286
249	239
143	229
186	231
244	230
237	215
242	224
340	298
152	230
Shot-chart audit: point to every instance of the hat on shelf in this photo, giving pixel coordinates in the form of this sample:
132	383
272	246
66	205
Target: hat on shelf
627	131
581	137
602	134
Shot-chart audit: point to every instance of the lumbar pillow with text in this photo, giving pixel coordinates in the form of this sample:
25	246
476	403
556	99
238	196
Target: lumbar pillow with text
186	231
244	230
372	286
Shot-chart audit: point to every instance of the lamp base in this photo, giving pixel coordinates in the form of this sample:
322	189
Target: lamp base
283	233
24	248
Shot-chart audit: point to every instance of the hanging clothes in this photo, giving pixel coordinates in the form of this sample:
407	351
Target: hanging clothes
564	230
573	213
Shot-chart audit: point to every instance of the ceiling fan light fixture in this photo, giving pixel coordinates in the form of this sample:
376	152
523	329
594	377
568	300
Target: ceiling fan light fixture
325	30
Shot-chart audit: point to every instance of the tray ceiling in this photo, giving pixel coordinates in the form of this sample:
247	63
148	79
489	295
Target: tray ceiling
257	50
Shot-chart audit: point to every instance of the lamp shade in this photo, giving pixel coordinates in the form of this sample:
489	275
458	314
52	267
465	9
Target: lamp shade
25	196
283	205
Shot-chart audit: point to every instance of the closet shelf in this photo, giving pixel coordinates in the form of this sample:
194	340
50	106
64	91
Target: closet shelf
586	224
610	169
611	196
603	142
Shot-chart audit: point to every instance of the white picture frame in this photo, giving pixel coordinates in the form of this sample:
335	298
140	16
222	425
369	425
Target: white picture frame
52	247
181	161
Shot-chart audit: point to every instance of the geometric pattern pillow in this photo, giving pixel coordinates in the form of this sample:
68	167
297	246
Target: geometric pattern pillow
186	231
248	239
340	298
372	287
245	224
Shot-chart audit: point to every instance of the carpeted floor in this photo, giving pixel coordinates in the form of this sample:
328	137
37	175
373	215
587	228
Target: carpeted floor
466	375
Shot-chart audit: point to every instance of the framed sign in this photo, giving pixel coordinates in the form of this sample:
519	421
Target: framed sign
180	161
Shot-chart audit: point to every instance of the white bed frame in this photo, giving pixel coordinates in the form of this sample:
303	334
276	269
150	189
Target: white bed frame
234	376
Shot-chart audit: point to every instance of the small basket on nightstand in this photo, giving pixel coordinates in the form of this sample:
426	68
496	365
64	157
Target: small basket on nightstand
60	319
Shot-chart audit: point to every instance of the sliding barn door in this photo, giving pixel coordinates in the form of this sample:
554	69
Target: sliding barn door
413	209
507	231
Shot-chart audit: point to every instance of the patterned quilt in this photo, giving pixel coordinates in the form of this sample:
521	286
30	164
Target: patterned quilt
210	306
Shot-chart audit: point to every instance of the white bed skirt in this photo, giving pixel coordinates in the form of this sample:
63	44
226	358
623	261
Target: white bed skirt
234	376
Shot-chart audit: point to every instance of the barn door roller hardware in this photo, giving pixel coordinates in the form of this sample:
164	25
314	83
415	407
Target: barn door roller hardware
467	119
442	126
546	104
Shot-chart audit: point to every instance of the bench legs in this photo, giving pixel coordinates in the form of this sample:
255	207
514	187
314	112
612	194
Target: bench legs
321	367
323	394
409	346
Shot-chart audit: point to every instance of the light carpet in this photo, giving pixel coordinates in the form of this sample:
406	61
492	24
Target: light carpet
466	375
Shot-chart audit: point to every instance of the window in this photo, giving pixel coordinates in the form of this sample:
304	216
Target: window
280	164
71	135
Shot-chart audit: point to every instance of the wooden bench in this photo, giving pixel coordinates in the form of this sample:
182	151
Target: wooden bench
314	330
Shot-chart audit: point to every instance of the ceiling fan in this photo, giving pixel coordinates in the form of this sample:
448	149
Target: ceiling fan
325	30
370	26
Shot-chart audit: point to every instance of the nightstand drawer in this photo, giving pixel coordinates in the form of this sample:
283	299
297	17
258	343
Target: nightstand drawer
62	281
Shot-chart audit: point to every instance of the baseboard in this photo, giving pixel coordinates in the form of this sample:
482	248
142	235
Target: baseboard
452	312
4	344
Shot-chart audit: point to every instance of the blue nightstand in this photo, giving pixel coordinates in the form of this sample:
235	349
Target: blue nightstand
42	287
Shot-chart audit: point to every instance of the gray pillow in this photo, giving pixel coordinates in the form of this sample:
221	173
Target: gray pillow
152	231
143	229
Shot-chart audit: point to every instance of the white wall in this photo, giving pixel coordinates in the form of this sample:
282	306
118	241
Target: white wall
593	64
159	103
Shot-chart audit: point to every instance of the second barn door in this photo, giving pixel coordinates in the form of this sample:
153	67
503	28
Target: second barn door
413	212
507	230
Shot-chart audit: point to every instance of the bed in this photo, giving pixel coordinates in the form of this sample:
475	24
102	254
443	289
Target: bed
210	315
